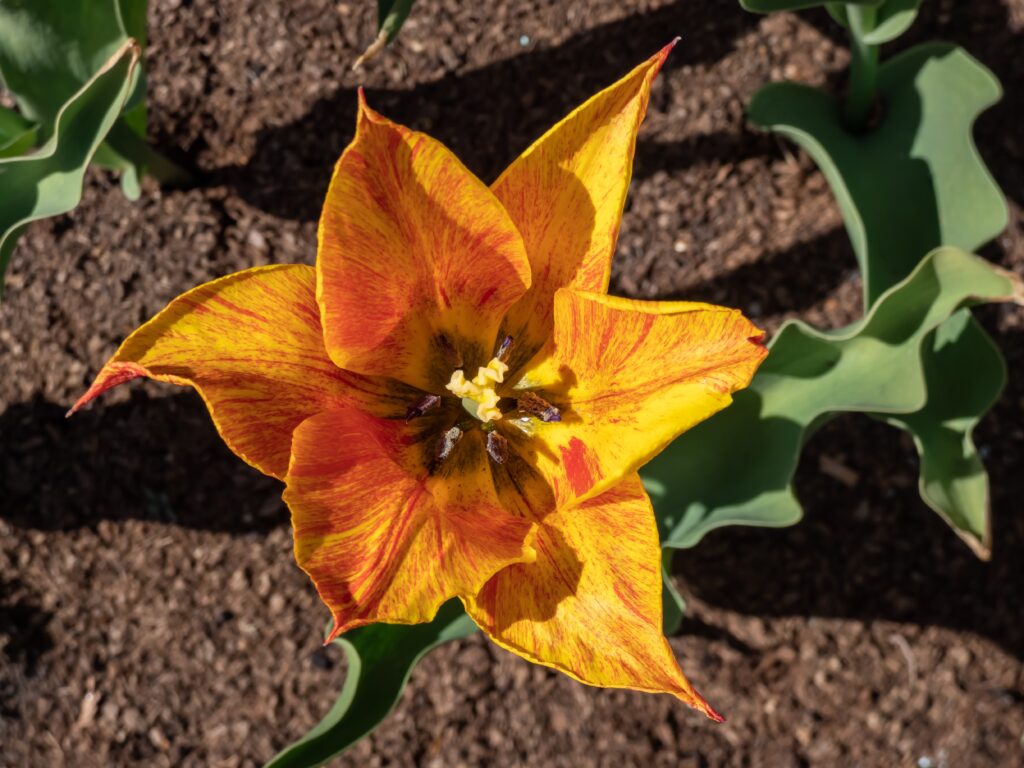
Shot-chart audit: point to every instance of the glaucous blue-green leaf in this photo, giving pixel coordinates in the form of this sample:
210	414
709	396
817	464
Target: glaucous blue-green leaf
893	18
50	48
49	182
914	182
965	374
380	660
737	467
908	185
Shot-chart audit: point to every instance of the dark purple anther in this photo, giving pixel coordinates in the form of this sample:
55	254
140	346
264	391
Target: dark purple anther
535	405
421	406
497	447
504	349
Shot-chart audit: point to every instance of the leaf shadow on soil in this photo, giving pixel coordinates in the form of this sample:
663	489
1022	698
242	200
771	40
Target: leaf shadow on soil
516	99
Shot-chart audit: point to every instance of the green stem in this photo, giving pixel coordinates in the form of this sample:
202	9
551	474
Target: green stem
863	65
131	146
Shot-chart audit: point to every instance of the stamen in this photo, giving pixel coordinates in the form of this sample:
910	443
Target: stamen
497	447
535	405
421	406
446	444
504	349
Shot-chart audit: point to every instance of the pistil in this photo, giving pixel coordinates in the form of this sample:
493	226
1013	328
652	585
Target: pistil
478	396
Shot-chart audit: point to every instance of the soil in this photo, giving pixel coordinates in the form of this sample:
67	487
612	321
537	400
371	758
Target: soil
150	610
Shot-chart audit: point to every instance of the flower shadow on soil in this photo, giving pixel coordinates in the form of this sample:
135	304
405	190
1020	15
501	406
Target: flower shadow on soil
517	99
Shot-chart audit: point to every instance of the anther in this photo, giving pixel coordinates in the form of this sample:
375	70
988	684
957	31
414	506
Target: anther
446	444
421	406
535	405
497	447
504	349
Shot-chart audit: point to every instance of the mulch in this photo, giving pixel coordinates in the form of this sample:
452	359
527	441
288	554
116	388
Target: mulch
150	610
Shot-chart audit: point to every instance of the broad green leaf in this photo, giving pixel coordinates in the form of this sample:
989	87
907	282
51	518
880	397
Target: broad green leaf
737	467
936	191
894	18
17	135
380	660
965	374
49	182
916	181
50	48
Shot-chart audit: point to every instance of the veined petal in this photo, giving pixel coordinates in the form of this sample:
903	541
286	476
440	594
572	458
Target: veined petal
590	605
412	245
565	194
380	544
629	377
251	344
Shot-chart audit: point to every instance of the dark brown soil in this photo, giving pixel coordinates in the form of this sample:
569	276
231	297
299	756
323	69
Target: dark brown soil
150	611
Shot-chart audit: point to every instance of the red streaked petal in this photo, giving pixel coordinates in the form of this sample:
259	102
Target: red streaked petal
412	245
629	377
381	541
251	344
590	605
566	193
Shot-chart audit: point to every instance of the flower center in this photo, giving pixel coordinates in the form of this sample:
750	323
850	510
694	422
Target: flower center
478	396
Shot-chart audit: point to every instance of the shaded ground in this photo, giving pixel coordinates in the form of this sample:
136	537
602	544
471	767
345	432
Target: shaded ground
150	612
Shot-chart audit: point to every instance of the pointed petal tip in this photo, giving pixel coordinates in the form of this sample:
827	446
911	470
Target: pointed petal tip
661	55
697	701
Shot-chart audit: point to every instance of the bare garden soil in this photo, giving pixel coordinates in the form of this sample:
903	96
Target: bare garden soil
150	610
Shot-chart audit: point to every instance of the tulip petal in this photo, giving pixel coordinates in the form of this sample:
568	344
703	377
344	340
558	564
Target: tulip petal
565	194
381	540
590	605
630	376
413	245
251	344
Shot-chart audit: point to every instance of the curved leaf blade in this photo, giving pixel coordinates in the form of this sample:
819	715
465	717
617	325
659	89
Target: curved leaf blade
737	467
380	659
49	182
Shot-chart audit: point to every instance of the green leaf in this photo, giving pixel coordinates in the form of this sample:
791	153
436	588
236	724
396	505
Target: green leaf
380	660
49	182
17	135
737	467
50	48
391	15
917	180
894	18
773	6
965	374
673	606
936	190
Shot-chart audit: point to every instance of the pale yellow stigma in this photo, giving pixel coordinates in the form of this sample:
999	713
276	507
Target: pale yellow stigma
480	391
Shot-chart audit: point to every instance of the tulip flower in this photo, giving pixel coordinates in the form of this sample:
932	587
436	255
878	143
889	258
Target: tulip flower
455	405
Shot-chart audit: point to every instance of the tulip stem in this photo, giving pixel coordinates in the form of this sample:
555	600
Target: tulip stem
860	96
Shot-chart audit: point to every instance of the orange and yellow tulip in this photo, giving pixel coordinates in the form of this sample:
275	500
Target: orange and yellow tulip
455	405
